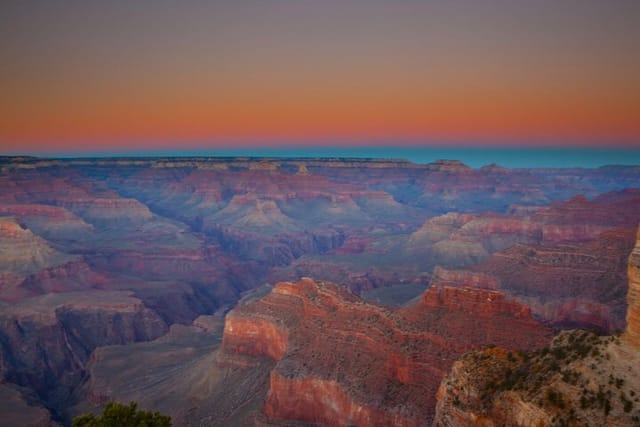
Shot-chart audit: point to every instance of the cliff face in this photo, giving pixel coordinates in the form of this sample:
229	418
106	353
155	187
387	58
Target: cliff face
632	333
47	340
254	337
575	273
581	379
317	400
574	284
341	360
477	302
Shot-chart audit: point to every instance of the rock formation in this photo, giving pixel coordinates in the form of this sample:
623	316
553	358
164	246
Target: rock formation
19	408
48	339
581	379
22	252
184	237
632	333
573	284
340	360
463	278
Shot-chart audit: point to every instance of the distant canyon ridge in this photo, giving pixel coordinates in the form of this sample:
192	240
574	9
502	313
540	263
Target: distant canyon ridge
216	289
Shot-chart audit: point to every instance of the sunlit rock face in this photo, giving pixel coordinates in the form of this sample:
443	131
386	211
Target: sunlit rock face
632	332
340	360
581	379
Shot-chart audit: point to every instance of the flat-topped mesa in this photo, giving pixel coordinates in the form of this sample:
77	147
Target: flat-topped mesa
632	333
448	166
108	208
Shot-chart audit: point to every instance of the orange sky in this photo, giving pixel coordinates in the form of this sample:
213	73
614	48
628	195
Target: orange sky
93	76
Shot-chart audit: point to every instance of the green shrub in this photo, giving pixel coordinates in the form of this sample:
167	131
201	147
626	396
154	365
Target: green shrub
119	415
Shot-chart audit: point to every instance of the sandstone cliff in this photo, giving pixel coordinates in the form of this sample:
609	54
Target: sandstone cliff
581	379
341	361
632	333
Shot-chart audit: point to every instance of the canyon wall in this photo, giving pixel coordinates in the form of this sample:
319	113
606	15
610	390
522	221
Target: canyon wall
46	341
581	379
632	333
340	360
191	236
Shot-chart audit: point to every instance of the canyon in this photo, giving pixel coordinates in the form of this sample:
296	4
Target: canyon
329	357
253	287
580	379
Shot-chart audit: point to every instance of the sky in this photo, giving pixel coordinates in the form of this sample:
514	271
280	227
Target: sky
99	76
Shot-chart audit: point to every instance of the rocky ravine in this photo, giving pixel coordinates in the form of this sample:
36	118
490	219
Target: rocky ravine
46	341
581	379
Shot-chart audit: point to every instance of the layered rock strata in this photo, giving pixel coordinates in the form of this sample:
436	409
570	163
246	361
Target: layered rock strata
47	340
341	361
632	333
581	379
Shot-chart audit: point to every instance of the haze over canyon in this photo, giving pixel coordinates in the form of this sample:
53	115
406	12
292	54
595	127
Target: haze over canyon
314	291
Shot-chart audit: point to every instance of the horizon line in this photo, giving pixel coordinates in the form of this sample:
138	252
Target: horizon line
474	156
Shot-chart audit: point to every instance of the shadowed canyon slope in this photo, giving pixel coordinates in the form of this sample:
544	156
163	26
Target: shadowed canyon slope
130	252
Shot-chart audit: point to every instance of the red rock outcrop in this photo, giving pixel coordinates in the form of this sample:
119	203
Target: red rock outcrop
254	337
581	284
566	261
632	333
331	269
570	383
297	399
342	361
476	302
